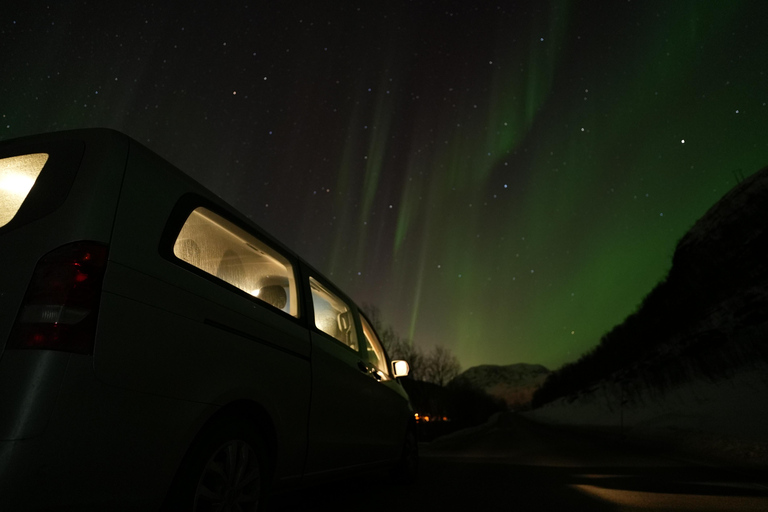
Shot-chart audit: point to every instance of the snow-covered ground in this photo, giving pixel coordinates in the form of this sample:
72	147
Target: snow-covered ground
724	421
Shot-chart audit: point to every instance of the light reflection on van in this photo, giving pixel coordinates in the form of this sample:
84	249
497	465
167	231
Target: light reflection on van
160	351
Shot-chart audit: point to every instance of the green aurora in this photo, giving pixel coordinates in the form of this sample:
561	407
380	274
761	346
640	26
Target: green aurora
534	220
506	179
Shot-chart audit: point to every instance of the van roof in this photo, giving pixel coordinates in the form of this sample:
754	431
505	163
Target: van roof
106	139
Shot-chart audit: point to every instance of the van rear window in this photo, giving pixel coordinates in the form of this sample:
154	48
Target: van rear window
222	249
17	176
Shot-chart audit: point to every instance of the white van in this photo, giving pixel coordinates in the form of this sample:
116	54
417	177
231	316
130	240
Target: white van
159	350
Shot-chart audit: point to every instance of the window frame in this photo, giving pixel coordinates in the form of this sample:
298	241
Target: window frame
353	312
377	341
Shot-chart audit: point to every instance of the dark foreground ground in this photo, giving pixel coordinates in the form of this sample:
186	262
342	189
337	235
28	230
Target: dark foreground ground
517	465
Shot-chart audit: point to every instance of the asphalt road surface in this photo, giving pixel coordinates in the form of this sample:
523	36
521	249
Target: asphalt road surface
521	466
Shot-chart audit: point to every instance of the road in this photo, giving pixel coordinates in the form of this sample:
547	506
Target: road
521	466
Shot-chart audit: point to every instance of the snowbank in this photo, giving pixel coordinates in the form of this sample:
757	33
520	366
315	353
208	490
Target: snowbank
724	421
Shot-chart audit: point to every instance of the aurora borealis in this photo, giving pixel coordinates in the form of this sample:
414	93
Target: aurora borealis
506	178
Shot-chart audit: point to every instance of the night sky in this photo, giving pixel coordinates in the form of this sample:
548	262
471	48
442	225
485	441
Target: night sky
508	179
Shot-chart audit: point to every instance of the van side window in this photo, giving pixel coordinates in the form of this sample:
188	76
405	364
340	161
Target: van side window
332	315
220	248
373	348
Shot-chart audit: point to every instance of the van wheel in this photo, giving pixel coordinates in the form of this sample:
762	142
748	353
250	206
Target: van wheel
225	471
407	468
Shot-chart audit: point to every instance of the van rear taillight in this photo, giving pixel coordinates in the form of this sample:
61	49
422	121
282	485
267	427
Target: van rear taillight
62	301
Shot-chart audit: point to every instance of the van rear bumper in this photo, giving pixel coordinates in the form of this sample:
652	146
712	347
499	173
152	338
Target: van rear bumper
102	448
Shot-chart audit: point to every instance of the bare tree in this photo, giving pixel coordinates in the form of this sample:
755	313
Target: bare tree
401	348
373	314
441	366
388	337
408	352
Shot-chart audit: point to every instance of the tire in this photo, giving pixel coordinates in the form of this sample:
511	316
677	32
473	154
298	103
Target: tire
224	470
407	469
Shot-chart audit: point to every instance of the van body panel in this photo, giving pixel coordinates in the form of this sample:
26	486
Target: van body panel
338	417
350	425
74	198
29	386
175	348
153	355
354	419
156	312
83	185
125	446
384	439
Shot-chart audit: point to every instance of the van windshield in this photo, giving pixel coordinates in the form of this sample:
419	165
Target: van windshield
17	176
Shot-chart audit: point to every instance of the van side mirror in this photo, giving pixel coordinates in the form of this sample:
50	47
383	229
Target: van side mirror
400	368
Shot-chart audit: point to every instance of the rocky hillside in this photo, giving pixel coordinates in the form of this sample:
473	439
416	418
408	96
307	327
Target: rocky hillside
514	383
706	320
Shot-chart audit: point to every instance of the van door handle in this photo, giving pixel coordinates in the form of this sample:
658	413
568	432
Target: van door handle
370	370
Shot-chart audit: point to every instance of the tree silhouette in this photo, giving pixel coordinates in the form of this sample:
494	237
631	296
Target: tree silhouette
441	366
